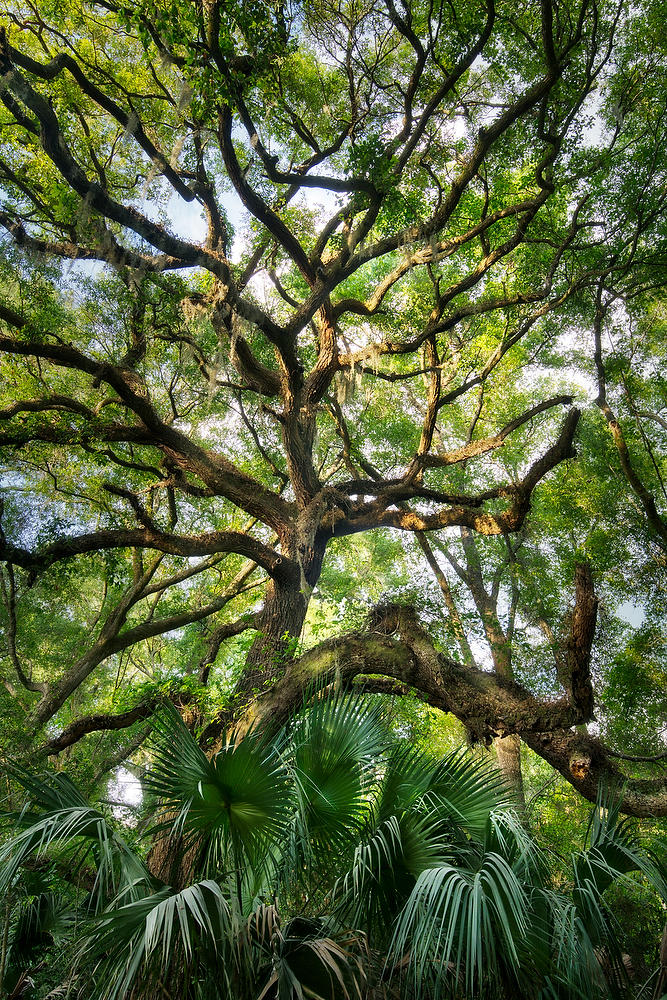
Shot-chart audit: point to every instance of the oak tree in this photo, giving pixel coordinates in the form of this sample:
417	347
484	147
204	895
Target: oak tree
277	276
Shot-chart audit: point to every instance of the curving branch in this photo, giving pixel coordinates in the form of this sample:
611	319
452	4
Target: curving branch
8	590
131	124
213	469
380	513
644	495
109	722
394	654
101	722
484	445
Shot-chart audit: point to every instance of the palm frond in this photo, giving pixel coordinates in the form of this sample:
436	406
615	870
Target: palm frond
141	942
57	815
575	968
613	851
465	789
47	792
471	789
386	866
460	926
308	960
335	745
39	920
506	835
236	807
330	816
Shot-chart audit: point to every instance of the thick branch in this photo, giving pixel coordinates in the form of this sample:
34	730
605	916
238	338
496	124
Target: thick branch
50	70
585	763
485	445
213	469
580	642
150	538
103	722
394	646
379	514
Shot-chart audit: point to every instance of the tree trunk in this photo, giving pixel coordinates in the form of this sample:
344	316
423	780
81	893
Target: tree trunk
507	748
274	646
508	755
5	938
285	608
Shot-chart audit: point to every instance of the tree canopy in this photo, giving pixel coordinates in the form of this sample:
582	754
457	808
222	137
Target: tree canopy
331	344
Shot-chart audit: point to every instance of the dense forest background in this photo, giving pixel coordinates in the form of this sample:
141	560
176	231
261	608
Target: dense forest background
332	427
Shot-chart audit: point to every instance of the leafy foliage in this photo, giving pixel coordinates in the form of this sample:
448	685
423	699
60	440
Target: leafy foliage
441	878
306	307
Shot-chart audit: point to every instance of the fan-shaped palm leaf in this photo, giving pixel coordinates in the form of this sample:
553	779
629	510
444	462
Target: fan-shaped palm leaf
613	850
422	816
460	926
440	874
143	941
236	807
385	867
575	968
40	920
336	744
470	789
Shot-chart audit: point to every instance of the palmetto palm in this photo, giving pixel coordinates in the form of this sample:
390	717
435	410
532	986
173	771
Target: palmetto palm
329	860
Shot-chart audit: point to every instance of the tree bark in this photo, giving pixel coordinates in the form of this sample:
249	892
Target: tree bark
507	748
284	612
281	622
394	645
508	755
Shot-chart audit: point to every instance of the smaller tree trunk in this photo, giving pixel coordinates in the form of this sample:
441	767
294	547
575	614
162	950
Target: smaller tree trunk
9	905
508	754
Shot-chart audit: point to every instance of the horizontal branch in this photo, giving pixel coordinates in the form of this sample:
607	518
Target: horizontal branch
158	626
395	645
485	445
102	722
586	764
207	543
381	513
213	469
106	721
108	249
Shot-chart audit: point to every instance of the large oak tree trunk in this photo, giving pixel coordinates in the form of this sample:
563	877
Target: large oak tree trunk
282	619
274	645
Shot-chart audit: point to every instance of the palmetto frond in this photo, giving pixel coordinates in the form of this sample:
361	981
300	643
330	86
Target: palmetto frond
58	815
424	813
457	924
334	750
39	920
308	958
235	808
144	940
612	851
315	851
